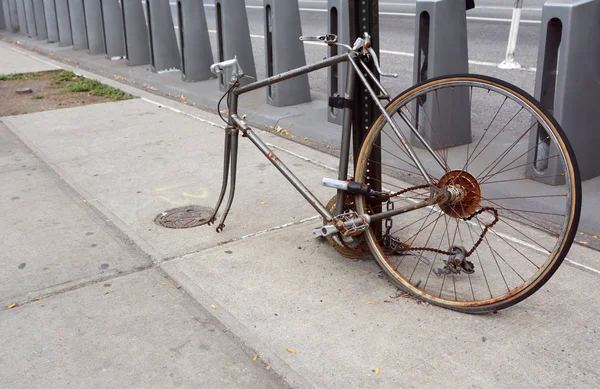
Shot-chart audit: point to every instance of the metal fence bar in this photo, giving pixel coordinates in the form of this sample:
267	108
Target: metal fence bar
233	39
4	16
30	18
164	54
194	41
137	49
78	30
40	19
568	85
338	21
440	49
93	26
20	5
284	51
64	22
51	22
112	29
10	15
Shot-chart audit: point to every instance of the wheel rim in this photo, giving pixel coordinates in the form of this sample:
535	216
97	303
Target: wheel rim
535	223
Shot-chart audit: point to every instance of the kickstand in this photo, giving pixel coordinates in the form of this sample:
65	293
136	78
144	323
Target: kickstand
229	165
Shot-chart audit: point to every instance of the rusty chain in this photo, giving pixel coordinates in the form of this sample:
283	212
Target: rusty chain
492	210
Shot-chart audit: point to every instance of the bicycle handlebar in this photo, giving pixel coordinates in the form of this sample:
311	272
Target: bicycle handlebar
219	67
329	39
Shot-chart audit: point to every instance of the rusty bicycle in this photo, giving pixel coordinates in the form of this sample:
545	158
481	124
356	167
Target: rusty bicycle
470	223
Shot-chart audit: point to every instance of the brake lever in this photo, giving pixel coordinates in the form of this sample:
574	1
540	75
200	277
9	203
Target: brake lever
376	62
327	38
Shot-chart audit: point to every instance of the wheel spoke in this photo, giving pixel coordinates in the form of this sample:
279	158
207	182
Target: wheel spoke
511	254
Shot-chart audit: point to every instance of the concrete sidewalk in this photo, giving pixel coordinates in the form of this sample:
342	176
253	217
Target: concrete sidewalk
92	310
263	279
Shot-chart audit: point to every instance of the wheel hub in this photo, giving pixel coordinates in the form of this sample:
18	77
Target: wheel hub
464	194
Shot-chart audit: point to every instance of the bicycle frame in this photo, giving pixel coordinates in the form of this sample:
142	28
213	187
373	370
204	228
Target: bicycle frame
237	124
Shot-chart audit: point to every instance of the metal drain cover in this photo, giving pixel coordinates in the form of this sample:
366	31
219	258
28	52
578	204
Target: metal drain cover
184	217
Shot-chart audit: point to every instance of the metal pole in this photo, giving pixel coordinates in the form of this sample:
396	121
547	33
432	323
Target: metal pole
364	17
509	62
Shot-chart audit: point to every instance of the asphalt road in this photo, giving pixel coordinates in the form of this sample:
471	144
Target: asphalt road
488	28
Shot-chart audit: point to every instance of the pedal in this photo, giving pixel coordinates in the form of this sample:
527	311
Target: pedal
324	231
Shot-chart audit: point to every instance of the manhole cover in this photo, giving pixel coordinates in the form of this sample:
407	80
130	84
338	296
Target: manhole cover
184	217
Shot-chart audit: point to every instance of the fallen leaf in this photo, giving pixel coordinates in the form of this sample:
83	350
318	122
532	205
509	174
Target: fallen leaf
39	298
268	367
369	302
595	236
164	283
85	201
291	350
255	357
11	306
377	370
213	306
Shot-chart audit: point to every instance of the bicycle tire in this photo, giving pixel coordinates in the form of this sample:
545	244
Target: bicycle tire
517	221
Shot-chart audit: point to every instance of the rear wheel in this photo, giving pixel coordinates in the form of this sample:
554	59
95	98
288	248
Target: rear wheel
515	188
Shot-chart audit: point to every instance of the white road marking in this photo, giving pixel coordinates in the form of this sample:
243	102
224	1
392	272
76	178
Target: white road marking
302	157
406	14
308	219
184	113
399	53
36	58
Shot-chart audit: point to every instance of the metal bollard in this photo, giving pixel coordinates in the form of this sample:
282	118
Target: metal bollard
20	6
93	26
40	19
194	41
568	85
64	23
3	23
10	15
233	39
77	15
441	48
510	62
51	22
338	20
137	50
284	51
30	18
164	55
112	29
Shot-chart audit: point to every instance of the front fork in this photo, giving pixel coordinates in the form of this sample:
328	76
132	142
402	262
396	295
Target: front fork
229	166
